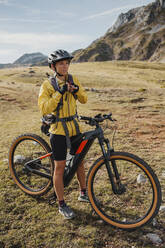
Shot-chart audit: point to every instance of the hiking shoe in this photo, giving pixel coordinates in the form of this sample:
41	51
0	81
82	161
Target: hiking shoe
83	198
66	211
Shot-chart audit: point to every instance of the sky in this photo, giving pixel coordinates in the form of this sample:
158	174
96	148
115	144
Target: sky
28	26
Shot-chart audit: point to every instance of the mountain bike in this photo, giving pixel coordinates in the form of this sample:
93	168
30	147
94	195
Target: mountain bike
122	188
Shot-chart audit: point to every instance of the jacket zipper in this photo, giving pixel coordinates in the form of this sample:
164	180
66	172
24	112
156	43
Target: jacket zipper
69	112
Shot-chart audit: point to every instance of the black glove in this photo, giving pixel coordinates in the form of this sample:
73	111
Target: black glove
77	89
63	89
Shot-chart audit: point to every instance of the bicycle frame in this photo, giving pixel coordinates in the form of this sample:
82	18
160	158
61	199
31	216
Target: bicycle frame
86	142
31	166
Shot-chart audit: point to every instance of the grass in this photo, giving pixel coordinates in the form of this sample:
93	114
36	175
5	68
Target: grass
133	93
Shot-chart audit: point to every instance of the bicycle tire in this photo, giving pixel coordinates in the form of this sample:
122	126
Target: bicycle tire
132	209
24	148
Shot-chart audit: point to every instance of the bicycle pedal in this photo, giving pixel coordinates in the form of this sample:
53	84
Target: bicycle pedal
51	202
52	199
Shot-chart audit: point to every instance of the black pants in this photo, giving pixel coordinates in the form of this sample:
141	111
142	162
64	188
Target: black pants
59	146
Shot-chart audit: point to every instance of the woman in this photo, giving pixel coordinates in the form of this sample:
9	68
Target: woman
62	103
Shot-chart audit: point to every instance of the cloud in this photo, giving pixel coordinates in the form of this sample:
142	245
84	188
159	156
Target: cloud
7	51
9	55
20	43
108	12
27	20
39	39
5	2
65	14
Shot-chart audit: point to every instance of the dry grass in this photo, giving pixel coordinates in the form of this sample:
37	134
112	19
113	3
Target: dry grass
119	74
134	93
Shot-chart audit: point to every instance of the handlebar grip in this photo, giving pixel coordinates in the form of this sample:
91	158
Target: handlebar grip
97	119
85	118
107	116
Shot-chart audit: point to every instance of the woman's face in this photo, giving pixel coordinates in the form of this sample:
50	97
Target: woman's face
62	67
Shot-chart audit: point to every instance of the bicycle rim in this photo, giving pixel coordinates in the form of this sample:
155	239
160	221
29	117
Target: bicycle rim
137	205
27	148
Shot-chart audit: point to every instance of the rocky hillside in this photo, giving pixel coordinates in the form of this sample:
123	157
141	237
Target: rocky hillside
30	58
27	59
138	34
6	65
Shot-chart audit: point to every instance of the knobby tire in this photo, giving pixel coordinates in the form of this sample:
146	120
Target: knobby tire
138	205
25	148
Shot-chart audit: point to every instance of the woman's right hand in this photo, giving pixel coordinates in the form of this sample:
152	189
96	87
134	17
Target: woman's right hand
63	89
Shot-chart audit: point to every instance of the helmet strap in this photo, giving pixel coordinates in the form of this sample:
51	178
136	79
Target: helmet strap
60	75
57	73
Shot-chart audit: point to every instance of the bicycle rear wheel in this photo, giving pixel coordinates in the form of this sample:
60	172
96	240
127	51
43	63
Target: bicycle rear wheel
135	207
29	153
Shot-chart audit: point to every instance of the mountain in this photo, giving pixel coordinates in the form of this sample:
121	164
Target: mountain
6	66
138	34
30	58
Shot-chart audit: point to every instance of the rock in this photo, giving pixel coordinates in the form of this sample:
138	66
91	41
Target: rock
154	238
125	54
154	222
123	19
151	47
94	90
162	209
100	221
141	179
87	89
163	174
19	159
150	17
5	160
140	99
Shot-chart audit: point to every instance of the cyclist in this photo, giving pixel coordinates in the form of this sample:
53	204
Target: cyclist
62	104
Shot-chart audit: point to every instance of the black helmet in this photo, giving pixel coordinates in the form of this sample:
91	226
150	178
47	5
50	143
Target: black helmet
59	55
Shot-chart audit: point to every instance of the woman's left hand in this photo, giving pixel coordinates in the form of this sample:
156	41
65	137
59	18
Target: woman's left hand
72	88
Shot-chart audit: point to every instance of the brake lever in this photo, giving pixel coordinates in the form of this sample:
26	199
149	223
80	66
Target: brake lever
110	118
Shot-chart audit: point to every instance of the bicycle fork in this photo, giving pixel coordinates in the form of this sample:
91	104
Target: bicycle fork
117	186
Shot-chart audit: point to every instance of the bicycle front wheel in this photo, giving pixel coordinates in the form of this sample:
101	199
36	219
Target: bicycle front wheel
137	205
31	164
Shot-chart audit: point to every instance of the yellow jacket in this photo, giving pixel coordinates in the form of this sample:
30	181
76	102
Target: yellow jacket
48	101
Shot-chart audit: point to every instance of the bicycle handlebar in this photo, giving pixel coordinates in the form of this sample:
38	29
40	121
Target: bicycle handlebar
97	119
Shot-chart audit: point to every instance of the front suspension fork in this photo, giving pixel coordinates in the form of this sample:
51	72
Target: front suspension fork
117	186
